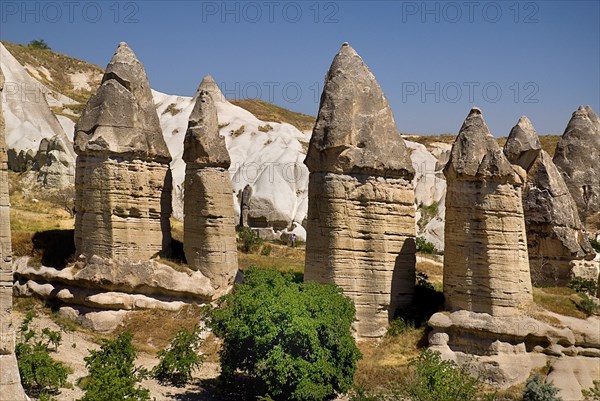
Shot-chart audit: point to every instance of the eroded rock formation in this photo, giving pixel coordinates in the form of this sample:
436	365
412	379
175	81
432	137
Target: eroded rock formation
576	156
555	236
361	213
486	266
209	226
123	180
10	381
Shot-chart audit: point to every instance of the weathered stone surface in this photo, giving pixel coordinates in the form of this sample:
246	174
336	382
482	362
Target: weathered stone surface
505	350
10	382
522	145
122	179
486	266
355	130
150	278
246	196
576	156
555	235
55	163
361	214
209	238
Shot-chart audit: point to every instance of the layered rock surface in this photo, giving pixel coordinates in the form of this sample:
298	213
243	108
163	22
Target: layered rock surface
123	180
576	156
486	266
555	235
10	381
361	227
209	225
506	350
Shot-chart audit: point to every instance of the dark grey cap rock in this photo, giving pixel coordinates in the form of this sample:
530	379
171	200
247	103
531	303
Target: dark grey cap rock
523	145
476	155
121	118
355	130
203	145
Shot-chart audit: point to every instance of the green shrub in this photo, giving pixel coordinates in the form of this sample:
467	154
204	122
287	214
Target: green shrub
425	247
113	375
593	393
595	244
39	44
293	338
427	213
398	326
266	250
40	374
248	240
583	285
537	390
586	304
433	379
180	359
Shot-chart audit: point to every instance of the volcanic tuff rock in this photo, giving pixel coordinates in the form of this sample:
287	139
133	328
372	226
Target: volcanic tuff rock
55	163
123	180
361	214
209	224
506	350
554	232
577	157
486	267
10	381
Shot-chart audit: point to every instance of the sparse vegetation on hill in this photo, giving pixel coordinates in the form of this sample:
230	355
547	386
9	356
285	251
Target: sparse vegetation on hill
57	71
269	112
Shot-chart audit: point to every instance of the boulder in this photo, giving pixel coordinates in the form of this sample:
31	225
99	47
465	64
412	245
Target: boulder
123	180
361	213
486	266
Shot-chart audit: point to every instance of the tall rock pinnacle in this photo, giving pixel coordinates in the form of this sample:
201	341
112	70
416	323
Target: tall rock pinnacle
10	380
122	178
209	225
577	157
361	215
486	266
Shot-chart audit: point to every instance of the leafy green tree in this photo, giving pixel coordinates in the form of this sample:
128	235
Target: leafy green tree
113	375
294	338
537	390
39	44
40	374
180	359
248	239
434	379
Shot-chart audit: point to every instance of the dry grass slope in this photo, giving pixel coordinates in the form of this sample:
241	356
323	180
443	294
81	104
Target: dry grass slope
269	112
54	70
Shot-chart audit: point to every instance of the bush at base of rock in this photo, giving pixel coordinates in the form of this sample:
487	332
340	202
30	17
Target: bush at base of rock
113	375
537	390
40	374
293	339
180	359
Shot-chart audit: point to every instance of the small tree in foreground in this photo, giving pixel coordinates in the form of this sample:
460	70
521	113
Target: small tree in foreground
40	374
434	379
113	375
180	358
537	390
293	338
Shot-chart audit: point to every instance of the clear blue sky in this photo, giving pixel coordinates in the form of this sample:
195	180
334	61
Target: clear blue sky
434	60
